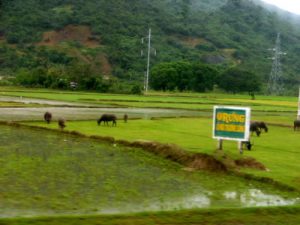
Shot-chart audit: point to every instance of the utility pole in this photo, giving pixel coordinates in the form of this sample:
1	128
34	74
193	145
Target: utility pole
298	113
146	78
275	85
148	61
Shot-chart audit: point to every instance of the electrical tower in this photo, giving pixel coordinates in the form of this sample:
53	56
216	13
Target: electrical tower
275	85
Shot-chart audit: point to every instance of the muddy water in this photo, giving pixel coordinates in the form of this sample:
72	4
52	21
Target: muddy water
40	101
46	173
77	111
71	113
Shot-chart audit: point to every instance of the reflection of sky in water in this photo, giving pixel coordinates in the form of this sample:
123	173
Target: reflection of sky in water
249	198
195	201
255	197
79	111
75	113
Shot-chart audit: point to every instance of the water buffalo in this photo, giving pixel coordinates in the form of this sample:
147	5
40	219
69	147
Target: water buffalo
258	126
107	118
61	123
262	126
48	117
248	144
254	127
125	118
296	124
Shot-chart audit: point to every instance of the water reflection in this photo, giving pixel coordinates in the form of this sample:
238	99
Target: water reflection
256	197
71	113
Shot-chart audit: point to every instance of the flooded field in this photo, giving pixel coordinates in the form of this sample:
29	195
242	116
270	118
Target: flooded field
74	113
48	173
80	111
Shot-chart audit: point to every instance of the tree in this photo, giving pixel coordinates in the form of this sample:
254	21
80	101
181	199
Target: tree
183	76
204	77
236	80
163	77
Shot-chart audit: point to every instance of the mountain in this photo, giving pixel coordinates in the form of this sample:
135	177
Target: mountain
104	37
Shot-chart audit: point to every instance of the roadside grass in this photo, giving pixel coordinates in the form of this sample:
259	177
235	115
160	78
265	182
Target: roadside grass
278	150
246	216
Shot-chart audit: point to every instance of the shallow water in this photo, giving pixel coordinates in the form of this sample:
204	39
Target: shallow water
76	113
82	111
47	173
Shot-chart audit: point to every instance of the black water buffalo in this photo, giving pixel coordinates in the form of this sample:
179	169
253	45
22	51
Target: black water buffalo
107	118
48	117
61	123
296	124
248	144
125	118
258	126
262	126
255	128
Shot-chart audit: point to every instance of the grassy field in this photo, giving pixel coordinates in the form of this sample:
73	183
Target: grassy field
194	101
249	216
278	150
47	173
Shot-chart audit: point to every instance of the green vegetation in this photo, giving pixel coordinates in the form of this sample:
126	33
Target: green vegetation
249	216
194	101
81	175
183	76
276	151
43	43
49	173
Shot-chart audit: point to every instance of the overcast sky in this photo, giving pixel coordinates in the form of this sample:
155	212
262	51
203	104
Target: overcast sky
289	5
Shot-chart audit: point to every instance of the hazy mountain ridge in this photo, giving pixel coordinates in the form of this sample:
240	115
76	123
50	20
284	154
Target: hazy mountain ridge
225	33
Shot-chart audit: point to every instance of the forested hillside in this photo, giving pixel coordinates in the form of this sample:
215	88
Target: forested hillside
97	43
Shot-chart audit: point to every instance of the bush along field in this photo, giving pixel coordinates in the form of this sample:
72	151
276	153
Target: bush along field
156	164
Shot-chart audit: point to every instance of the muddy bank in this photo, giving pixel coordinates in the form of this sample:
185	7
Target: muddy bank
194	161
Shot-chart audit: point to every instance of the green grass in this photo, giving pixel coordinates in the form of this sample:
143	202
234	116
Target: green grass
278	150
250	216
194	101
48	173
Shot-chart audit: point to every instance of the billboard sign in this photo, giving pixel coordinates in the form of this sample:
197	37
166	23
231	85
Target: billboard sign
231	123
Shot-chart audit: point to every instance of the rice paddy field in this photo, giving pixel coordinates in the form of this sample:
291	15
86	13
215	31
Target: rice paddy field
49	176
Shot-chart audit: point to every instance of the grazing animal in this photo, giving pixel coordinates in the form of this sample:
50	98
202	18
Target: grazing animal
61	123
48	117
105	118
296	124
254	127
262	126
125	118
248	144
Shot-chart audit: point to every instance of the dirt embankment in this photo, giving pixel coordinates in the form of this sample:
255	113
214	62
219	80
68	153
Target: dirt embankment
80	34
192	161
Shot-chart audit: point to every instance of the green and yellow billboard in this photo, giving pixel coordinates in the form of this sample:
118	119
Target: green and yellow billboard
231	123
